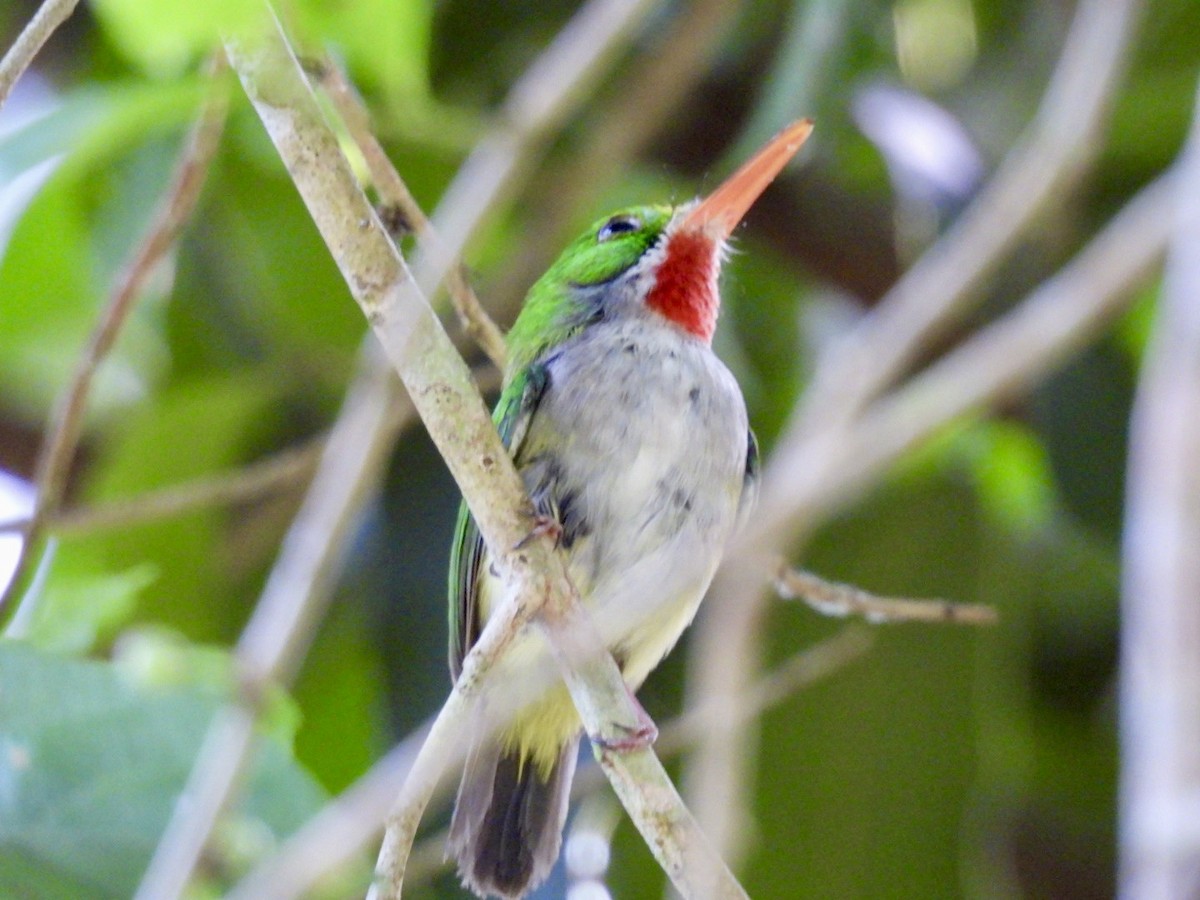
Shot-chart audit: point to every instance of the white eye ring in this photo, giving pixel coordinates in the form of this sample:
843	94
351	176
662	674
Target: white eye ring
617	225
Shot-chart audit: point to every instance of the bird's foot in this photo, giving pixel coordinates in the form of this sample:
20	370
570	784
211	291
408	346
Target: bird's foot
542	525
628	738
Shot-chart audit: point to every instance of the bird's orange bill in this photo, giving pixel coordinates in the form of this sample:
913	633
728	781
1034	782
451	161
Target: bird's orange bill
721	210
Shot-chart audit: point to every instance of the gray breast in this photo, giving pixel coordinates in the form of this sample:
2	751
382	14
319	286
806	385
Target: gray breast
638	443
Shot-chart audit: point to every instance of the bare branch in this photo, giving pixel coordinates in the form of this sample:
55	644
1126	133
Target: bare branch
1160	632
49	16
286	468
292	602
833	599
833	447
66	426
474	319
350	822
1058	318
1044	164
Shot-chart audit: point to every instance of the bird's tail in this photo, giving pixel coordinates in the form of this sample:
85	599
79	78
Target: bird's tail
508	819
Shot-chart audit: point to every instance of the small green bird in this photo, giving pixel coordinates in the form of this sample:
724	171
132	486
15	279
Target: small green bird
633	442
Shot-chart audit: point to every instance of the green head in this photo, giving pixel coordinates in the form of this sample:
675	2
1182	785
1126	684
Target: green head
578	289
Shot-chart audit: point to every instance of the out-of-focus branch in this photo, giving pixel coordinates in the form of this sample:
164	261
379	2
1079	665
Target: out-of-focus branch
335	835
1041	167
833	599
346	826
66	424
395	194
806	479
1160	629
285	469
1057	319
292	602
49	16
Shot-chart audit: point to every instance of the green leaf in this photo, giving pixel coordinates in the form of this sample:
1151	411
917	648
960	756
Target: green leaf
165	37
75	235
194	428
81	607
91	764
385	43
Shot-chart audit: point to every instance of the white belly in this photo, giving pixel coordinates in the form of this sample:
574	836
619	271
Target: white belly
641	434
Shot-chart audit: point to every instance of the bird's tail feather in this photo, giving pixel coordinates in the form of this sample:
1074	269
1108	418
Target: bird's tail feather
508	819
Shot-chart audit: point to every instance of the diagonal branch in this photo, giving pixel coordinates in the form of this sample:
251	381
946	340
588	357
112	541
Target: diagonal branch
396	196
1044	165
441	389
66	425
45	21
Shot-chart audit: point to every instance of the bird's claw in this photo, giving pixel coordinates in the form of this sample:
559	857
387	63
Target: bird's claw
542	525
630	737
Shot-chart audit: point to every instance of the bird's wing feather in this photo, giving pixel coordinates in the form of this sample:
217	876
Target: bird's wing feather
512	415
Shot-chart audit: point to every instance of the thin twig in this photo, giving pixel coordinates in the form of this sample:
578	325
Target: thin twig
831	598
474	319
282	470
45	21
66	425
1160	628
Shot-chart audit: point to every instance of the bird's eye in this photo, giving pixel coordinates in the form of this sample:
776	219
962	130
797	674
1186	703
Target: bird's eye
617	225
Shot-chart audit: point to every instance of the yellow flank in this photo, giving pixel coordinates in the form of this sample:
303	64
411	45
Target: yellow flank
540	730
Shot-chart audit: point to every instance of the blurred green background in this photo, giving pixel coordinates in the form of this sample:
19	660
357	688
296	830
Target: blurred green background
945	763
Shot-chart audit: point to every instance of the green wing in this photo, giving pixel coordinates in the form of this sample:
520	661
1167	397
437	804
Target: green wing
512	416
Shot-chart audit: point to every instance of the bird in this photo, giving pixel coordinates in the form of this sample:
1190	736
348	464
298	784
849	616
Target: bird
634	445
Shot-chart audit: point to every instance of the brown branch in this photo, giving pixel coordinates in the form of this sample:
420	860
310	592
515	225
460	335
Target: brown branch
66	425
49	16
473	318
833	599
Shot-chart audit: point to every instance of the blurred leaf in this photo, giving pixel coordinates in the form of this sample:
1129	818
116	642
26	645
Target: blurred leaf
82	607
385	43
165	37
189	430
74	236
90	770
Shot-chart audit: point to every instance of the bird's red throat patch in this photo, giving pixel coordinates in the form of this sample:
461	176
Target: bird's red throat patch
685	285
